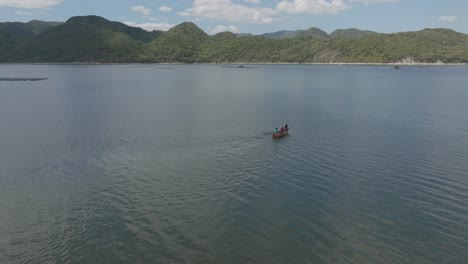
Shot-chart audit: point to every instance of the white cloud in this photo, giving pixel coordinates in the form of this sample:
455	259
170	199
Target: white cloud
22	13
312	6
238	13
140	9
30	3
150	26
221	28
165	9
367	2
227	10
449	19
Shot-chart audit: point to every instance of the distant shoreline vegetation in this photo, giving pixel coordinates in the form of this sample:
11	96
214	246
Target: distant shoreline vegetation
95	40
235	64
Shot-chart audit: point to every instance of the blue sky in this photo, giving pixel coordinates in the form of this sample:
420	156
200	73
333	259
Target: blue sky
253	16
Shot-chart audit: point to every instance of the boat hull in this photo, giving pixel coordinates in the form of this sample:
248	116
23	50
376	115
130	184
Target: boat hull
279	135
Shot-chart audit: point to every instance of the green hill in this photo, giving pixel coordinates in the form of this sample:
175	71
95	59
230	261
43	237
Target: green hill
314	32
225	35
284	34
18	30
82	39
351	33
429	45
14	34
95	39
181	43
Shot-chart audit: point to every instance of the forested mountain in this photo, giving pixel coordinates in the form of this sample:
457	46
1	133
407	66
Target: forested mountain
311	32
351	33
282	34
30	29
81	39
95	39
181	43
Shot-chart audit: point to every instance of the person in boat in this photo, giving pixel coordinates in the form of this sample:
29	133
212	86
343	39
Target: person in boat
282	130
276	130
286	128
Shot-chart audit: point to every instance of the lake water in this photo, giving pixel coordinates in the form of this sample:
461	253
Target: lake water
176	164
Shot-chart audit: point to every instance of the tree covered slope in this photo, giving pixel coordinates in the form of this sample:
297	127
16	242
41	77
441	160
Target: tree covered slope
95	39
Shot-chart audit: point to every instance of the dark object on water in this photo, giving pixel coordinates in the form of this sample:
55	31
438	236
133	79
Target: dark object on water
280	134
238	66
396	67
22	79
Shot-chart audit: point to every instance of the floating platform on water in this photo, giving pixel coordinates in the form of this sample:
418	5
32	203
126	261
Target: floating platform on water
22	79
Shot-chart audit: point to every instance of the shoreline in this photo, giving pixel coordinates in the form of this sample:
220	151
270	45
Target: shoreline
417	64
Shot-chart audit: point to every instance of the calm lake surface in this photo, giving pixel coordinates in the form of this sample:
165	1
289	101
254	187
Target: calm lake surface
176	164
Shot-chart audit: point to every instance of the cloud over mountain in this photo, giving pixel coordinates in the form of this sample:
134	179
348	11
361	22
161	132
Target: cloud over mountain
227	10
221	28
367	2
449	19
312	6
165	9
151	26
141	9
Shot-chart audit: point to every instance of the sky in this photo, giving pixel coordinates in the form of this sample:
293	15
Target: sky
253	16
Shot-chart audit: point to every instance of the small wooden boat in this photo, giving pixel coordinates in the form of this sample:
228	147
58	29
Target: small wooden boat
280	135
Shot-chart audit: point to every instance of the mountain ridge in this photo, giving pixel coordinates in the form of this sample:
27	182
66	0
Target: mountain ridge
19	30
96	39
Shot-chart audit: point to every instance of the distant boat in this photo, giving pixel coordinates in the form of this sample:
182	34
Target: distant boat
396	67
241	66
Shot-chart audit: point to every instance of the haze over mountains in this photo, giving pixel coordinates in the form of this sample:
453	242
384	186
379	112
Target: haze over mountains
96	39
